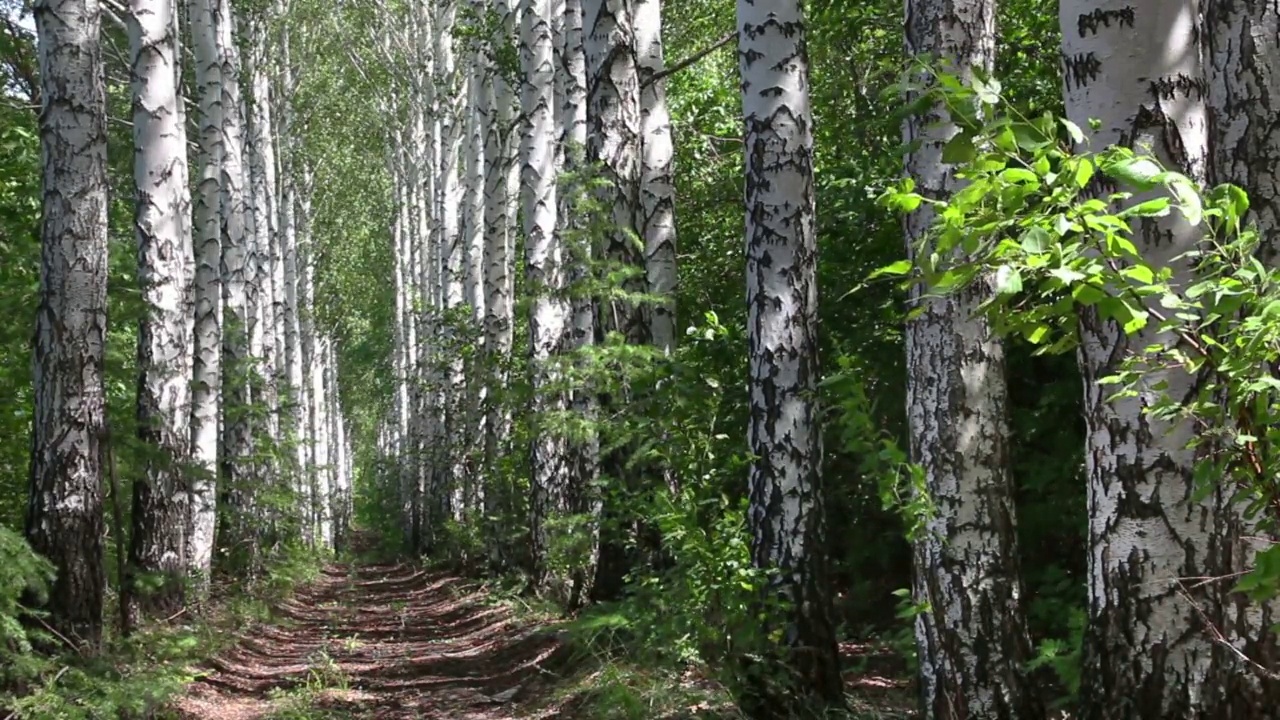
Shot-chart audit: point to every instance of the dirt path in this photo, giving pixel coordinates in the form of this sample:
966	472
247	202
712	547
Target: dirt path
379	641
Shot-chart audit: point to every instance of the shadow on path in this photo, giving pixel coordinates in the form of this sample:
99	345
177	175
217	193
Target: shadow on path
380	642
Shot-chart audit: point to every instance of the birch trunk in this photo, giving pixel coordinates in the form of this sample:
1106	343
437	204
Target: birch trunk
322	468
581	496
657	221
473	286
613	142
1241	55
499	279
207	368
308	342
295	412
973	644
786	511
265	221
64	514
162	222
448	202
1136	68
237	430
543	270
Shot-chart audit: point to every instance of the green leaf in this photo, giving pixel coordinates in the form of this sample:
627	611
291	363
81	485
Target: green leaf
1188	200
1036	240
1008	280
959	150
1139	172
1139	273
1155	207
1073	130
901	267
1084	172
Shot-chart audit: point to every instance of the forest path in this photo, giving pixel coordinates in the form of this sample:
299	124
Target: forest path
378	642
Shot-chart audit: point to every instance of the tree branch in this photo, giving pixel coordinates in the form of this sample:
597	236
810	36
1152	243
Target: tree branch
690	60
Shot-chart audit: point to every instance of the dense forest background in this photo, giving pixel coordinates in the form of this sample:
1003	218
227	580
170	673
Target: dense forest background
420	345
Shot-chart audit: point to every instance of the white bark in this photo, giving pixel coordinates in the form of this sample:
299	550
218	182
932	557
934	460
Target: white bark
500	165
265	223
543	262
207	372
166	272
64	514
657	221
237	313
1135	66
1241	55
321	465
613	141
786	513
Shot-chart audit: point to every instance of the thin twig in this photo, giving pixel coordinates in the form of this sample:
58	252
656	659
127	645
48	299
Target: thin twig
1218	638
57	634
690	60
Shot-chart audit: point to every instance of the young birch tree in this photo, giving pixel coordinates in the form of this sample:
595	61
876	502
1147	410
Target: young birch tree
657	220
543	268
1242	58
237	429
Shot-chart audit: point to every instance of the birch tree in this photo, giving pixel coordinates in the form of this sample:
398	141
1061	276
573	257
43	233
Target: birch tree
1242	56
162	223
656	223
973	643
64	514
501	178
786	512
613	142
237	430
543	268
207	369
1136	68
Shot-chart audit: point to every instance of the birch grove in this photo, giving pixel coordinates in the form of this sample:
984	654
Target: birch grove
999	324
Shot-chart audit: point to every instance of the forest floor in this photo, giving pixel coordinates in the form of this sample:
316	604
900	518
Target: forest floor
391	642
381	642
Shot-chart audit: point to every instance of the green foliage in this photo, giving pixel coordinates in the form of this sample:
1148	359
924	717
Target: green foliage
1055	234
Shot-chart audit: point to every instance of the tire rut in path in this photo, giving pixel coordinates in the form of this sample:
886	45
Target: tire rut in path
379	642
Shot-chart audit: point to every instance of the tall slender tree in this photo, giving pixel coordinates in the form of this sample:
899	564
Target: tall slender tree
613	142
657	222
207	372
973	642
543	268
1136	68
500	166
237	267
162	223
786	514
64	515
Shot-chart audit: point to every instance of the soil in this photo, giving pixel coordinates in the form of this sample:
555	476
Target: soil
381	642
